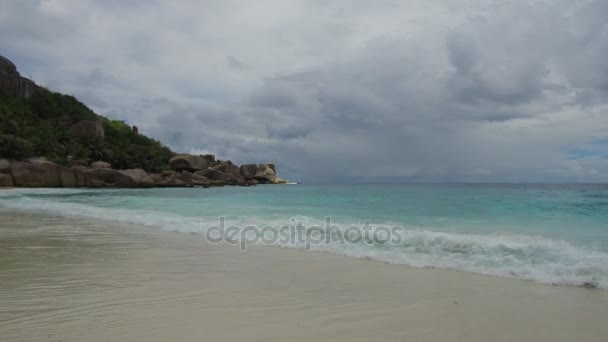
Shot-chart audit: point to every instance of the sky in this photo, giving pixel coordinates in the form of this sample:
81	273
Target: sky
412	90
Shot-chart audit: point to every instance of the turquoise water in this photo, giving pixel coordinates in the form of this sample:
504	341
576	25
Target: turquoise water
555	234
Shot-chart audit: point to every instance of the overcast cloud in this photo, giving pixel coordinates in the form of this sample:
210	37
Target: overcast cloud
417	90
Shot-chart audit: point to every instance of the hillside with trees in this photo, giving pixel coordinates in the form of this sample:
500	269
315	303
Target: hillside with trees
49	139
54	126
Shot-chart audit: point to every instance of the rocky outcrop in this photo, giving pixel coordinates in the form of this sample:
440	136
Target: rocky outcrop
41	174
131	178
38	172
265	174
219	177
4	165
187	170
101	165
78	172
88	130
12	83
139	177
170	179
228	167
6	181
248	171
166	174
8	67
214	175
278	180
182	179
201	181
188	162
237	179
210	158
101	177
194	179
156	177
67	177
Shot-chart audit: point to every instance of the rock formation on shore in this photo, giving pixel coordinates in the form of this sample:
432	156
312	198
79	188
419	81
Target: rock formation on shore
39	172
52	140
12	83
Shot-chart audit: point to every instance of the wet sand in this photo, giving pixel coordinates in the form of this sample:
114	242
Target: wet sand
76	280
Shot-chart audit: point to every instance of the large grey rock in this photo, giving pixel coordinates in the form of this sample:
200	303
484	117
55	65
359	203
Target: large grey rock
214	175
218	177
188	162
172	183
138	178
103	177
248	171
135	174
6	181
78	170
265	174
99	184
4	165
236	179
185	176
156	177
172	179
210	158
278	180
200	181
131	178
148	182
165	174
41	173
87	129
101	165
228	167
67	177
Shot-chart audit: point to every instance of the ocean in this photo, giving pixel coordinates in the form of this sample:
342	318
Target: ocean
552	234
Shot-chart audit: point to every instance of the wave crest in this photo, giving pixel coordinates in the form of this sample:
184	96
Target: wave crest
535	258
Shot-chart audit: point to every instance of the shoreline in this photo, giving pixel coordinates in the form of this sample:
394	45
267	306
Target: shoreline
563	275
76	279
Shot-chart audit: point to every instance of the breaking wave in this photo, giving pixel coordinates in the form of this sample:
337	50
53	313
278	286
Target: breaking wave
535	258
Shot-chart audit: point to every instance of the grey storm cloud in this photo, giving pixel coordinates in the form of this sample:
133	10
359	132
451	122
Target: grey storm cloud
343	90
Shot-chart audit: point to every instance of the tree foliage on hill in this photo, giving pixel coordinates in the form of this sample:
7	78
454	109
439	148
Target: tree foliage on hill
40	126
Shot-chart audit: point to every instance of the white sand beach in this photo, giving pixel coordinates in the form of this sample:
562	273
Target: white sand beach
75	280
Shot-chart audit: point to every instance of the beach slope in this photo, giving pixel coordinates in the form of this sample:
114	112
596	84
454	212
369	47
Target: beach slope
75	280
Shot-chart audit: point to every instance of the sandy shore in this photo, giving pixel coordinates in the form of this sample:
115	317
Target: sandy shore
74	280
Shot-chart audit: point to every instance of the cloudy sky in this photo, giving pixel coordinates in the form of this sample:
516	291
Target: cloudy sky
411	90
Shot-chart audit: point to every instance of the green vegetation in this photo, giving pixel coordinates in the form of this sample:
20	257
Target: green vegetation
41	126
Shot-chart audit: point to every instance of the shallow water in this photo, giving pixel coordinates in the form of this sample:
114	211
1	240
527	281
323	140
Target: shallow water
555	234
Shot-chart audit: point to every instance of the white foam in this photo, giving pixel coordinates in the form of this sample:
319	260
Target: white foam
534	258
